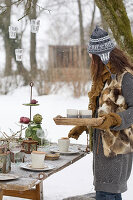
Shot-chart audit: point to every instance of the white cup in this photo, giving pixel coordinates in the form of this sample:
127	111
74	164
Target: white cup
72	113
37	158
63	144
85	113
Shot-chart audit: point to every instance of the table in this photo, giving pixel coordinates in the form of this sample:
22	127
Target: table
28	185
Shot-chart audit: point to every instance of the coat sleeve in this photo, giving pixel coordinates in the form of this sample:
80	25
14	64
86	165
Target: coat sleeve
127	92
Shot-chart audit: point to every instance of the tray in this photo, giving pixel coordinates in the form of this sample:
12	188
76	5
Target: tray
59	120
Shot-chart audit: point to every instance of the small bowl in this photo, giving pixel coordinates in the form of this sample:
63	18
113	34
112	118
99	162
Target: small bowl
52	156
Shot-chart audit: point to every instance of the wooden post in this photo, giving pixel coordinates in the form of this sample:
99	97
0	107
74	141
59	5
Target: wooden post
1	194
39	192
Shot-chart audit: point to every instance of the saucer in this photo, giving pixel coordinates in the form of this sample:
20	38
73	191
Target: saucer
70	152
6	177
28	166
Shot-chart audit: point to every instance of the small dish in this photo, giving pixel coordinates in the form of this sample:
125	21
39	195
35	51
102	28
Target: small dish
28	166
70	152
30	104
6	177
52	156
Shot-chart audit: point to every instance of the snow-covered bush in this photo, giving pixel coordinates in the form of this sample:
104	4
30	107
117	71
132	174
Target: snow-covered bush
9	83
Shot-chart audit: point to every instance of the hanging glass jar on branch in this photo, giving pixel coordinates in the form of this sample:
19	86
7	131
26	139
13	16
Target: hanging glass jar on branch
12	32
35	25
19	54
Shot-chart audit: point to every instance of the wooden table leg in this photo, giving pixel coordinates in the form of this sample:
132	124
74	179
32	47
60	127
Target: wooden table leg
1	194
39	192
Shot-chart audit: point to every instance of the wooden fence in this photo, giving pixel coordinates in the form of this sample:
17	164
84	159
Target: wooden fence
68	57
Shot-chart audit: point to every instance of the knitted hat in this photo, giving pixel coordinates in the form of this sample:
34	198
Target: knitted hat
100	44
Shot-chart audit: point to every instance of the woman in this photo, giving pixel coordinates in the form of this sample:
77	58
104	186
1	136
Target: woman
111	96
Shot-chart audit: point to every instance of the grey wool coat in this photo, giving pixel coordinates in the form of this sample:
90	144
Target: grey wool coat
111	173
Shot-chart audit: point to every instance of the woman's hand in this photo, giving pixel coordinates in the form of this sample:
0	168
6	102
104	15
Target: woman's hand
98	121
111	119
76	131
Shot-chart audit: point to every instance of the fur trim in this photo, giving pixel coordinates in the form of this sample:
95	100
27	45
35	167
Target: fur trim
111	102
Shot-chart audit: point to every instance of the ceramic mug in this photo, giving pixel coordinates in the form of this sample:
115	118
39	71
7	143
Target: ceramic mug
72	113
85	113
63	144
37	158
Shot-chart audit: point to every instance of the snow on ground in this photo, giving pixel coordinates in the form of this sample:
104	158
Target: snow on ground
73	180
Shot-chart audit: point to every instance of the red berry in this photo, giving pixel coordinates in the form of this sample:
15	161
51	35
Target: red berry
24	120
33	101
21	119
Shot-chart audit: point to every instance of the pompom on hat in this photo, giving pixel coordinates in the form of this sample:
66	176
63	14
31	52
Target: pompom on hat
100	44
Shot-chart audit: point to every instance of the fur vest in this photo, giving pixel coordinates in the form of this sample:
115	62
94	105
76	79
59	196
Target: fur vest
111	100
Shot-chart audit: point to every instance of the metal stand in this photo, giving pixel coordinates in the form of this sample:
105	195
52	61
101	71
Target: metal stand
31	85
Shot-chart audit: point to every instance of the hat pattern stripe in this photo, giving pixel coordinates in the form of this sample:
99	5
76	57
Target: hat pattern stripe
99	39
100	47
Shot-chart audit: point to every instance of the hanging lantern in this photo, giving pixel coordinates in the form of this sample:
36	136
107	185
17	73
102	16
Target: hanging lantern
12	32
35	25
19	54
5	162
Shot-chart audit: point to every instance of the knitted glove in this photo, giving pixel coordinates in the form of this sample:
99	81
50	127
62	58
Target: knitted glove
111	119
76	131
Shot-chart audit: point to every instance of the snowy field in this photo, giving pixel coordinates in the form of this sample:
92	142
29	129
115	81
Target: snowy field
74	180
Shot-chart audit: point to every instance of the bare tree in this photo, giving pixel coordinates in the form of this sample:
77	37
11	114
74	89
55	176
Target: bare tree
4	24
114	12
91	27
82	42
11	45
33	61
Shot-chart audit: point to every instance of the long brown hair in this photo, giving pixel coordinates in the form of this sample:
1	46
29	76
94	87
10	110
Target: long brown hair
118	61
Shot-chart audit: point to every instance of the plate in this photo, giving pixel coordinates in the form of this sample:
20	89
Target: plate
30	104
28	167
70	152
5	177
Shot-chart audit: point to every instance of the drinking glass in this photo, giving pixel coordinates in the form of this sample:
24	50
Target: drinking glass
42	134
15	147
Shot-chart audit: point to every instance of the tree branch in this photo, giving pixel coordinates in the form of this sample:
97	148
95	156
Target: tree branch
115	15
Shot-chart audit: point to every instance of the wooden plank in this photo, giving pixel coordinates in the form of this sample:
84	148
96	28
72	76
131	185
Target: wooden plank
34	193
78	121
28	194
21	184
